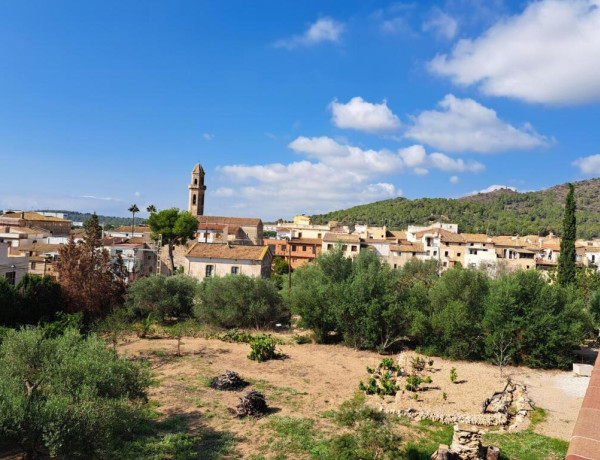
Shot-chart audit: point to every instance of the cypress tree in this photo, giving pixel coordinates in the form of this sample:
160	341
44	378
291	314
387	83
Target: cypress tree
566	261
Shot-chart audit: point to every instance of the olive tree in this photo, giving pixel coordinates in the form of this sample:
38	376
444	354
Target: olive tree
68	396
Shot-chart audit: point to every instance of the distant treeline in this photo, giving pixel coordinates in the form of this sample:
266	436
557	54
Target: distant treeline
108	221
506	213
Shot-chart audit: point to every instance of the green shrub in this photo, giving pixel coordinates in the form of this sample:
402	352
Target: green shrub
66	394
453	375
238	301
262	348
235	336
161	296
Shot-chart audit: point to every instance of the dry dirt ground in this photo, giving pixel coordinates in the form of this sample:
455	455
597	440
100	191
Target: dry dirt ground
313	379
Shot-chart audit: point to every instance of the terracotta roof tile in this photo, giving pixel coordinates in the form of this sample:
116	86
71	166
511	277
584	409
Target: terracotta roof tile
340	238
241	221
227	251
411	247
33	216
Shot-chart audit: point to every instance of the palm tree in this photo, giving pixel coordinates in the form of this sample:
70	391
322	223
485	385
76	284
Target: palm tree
151	209
133	209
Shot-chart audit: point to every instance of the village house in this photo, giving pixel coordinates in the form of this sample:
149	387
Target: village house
42	259
127	231
22	237
138	259
56	226
205	260
404	252
350	244
296	251
12	267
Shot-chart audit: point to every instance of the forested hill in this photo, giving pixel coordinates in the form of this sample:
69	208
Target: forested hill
500	212
109	221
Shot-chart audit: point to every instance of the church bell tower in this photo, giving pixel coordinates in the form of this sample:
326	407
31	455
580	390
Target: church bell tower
197	189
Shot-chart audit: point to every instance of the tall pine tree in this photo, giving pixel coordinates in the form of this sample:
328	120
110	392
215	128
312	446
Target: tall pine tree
566	261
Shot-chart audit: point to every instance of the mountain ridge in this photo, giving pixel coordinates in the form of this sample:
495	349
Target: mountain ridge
502	211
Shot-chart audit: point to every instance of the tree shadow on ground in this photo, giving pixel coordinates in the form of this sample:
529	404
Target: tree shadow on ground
178	435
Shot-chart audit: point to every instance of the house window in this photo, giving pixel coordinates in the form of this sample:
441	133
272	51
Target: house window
11	277
119	251
319	236
293	248
195	181
445	264
314	249
395	266
330	246
299	234
194	199
283	247
446	254
235	270
344	247
435	253
209	270
303	248
33	265
414	254
272	248
353	249
458	254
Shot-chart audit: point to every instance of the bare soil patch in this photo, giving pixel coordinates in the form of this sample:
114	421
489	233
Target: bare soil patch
314	379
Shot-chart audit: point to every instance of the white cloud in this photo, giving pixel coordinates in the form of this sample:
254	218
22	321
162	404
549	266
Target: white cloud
493	188
416	157
82	203
413	156
364	116
323	30
454	180
589	166
445	163
208	136
137	194
335	175
550	53
442	25
465	125
224	192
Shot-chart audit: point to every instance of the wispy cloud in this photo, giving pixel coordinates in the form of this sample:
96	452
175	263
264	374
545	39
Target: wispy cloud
322	30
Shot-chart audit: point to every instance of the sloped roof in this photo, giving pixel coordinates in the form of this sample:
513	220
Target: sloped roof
411	247
241	221
33	216
127	229
41	247
227	251
341	238
476	238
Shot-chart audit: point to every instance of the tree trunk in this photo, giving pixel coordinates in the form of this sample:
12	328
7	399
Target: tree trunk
171	257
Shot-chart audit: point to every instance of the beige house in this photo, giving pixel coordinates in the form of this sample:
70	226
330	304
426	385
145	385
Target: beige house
350	243
238	230
54	225
205	259
12	267
402	253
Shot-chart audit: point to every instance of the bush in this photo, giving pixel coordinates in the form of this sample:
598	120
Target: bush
67	395
262	348
162	297
238	301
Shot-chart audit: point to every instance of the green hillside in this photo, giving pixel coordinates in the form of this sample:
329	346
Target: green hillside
108	221
500	212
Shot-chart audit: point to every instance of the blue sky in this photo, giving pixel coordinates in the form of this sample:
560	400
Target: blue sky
293	107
